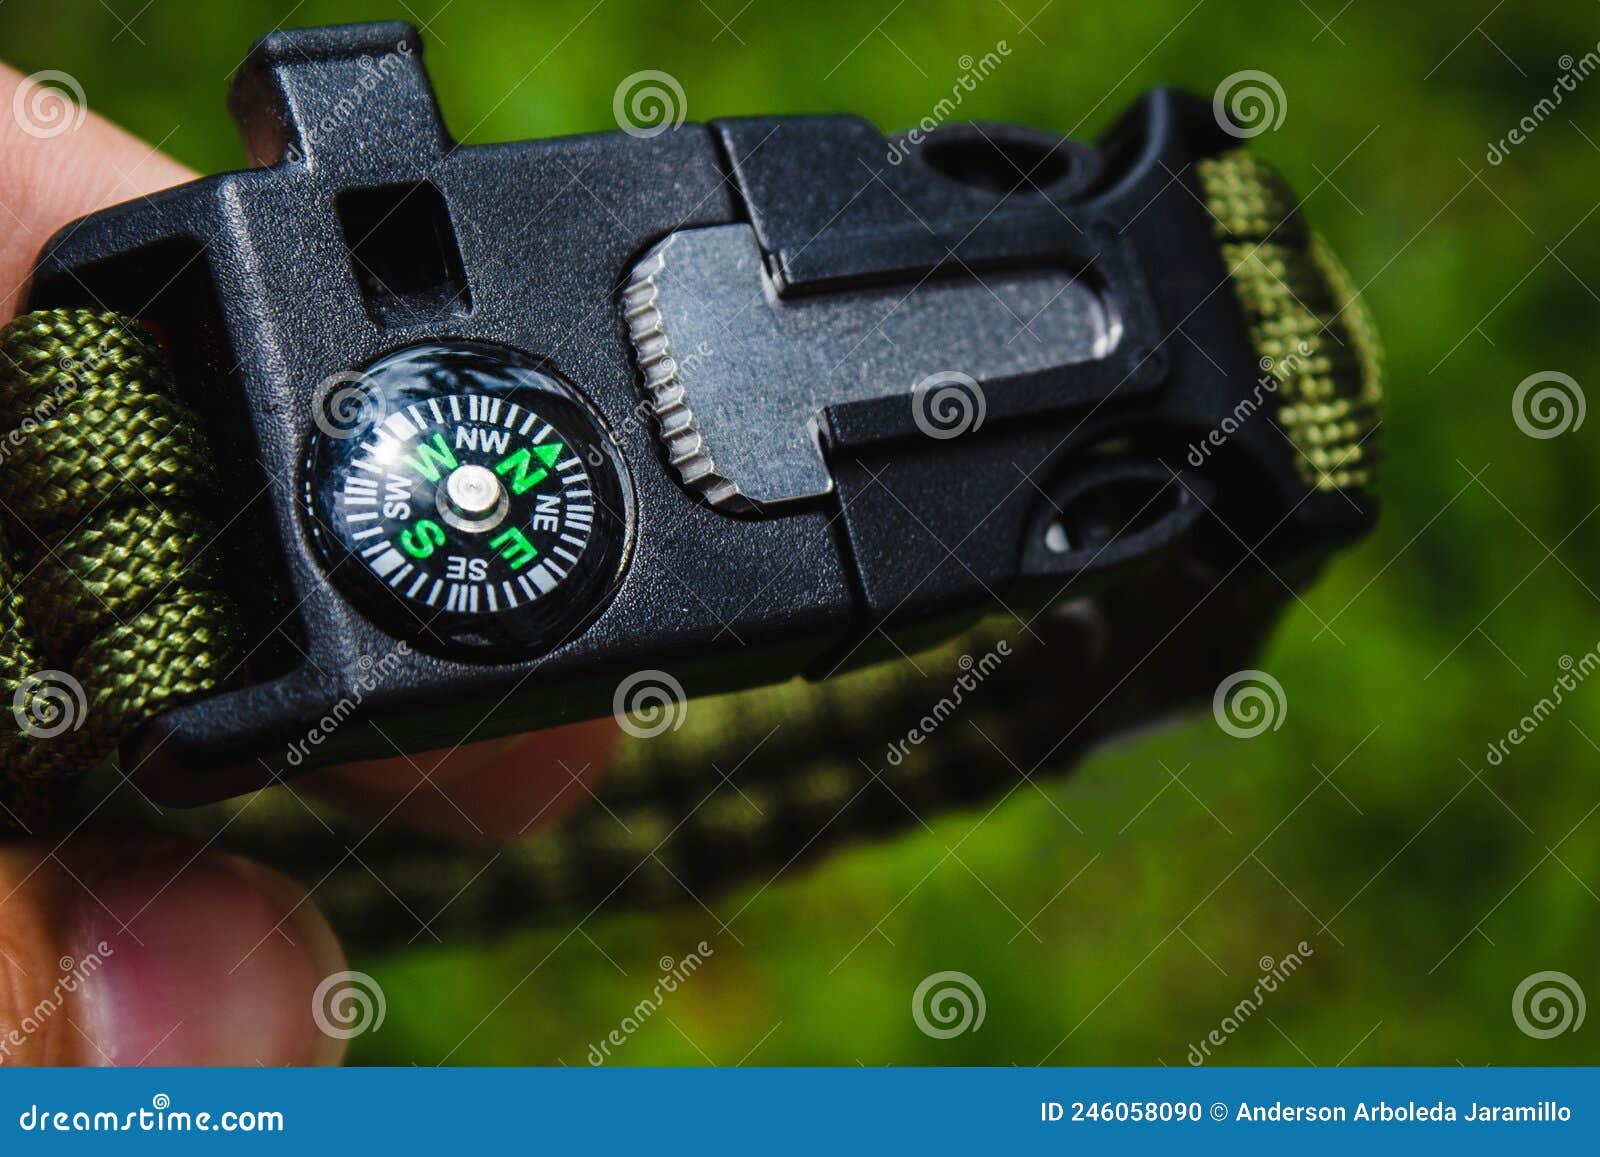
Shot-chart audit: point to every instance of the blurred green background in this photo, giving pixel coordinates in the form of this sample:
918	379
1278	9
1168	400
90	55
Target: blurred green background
1427	882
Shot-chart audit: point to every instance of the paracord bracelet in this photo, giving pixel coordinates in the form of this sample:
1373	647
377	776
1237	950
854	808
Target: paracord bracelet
109	583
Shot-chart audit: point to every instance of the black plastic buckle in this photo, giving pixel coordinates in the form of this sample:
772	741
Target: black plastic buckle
364	229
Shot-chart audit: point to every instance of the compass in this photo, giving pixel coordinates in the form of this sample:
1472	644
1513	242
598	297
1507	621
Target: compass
467	499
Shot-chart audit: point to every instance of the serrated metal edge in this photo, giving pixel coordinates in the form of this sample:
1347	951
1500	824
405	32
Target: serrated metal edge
675	423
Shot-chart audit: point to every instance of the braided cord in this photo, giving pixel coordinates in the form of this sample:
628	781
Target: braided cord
738	791
1306	319
109	600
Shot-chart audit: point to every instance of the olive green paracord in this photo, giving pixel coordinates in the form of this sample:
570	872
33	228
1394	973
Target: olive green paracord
1307	321
112	612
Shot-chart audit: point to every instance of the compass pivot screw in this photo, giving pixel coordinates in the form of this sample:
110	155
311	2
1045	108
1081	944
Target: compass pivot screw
472	489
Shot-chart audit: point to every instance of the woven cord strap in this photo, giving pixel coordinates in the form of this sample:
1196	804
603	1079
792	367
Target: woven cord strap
1309	325
109	603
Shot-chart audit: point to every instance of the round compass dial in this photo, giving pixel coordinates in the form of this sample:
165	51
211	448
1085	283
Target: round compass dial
467	500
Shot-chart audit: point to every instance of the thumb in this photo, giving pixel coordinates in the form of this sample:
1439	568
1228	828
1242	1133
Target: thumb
141	949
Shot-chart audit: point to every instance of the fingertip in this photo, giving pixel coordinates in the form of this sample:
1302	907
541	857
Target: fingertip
59	161
155	952
216	962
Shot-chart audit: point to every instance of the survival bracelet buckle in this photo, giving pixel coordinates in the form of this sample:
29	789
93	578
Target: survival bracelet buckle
500	425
